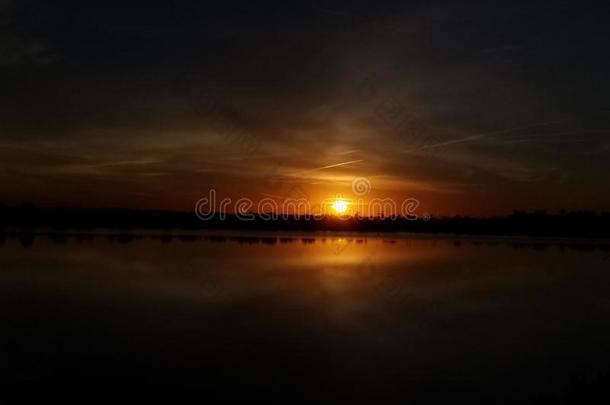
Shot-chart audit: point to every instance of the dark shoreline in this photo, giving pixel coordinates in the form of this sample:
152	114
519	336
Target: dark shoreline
538	224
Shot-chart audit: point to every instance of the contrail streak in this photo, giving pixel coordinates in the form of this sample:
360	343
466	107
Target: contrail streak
335	165
479	136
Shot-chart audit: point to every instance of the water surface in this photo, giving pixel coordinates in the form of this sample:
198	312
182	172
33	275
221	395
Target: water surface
347	317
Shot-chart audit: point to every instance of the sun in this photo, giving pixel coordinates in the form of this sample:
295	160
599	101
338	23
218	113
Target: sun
340	206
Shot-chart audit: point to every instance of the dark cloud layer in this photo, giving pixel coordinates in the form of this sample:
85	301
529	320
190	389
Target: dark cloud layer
473	107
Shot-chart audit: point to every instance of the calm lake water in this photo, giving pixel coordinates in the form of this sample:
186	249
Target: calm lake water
353	317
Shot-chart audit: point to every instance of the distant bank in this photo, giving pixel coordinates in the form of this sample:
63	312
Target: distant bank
582	224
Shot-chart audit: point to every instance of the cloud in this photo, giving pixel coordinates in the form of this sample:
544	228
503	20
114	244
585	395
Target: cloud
15	51
17	45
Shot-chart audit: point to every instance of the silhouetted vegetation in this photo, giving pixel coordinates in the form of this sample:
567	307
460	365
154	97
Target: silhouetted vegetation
582	224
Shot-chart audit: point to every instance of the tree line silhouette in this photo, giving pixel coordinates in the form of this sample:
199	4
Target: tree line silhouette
575	224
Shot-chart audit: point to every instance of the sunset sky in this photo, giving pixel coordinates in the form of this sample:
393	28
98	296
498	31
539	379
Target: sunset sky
470	107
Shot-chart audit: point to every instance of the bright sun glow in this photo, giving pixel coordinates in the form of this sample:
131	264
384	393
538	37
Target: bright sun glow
340	206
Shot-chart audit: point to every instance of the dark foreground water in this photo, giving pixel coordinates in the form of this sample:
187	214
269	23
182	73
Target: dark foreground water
417	320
